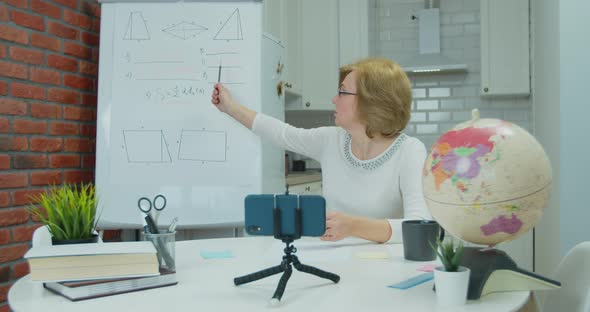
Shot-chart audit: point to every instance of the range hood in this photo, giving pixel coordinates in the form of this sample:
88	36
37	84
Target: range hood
429	60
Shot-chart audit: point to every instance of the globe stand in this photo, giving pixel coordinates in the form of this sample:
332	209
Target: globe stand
288	259
493	270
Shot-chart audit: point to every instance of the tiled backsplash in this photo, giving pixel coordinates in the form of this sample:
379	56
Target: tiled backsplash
440	101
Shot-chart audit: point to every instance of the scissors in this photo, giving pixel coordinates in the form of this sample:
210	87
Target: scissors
145	205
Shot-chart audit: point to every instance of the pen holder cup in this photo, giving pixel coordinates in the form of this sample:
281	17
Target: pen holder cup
165	244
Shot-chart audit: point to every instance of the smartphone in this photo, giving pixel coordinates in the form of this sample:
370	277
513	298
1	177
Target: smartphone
259	209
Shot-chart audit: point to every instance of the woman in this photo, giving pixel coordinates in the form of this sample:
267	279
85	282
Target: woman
371	172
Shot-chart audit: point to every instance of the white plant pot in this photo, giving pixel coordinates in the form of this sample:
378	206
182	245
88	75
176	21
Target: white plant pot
451	287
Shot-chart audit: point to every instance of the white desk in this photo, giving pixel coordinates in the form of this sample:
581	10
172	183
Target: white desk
207	285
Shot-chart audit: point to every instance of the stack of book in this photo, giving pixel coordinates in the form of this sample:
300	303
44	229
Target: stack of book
84	271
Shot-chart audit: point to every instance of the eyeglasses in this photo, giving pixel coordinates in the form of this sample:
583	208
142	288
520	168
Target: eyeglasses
342	92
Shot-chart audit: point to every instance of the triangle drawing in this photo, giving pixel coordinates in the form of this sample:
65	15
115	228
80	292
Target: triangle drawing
136	28
231	29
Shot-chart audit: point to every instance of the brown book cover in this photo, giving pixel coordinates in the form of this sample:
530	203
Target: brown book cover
83	290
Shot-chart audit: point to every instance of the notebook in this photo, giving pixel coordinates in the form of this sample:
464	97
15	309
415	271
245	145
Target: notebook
83	290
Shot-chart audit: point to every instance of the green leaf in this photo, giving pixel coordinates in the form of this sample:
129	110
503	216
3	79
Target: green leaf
69	210
448	254
456	261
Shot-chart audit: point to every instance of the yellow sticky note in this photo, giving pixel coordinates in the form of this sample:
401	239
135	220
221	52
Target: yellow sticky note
372	255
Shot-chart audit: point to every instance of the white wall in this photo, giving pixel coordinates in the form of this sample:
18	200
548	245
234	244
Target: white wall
561	70
575	127
546	94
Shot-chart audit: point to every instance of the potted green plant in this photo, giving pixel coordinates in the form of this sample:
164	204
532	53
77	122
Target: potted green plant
69	213
451	279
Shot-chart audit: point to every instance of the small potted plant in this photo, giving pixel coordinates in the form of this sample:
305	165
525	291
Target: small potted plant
69	213
451	280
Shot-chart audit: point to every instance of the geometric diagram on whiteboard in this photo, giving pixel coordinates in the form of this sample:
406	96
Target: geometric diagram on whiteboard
146	146
231	29
184	30
203	145
136	27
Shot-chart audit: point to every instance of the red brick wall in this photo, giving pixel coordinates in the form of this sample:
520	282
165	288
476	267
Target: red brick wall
48	79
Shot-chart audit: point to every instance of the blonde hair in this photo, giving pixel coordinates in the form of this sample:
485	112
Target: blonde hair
384	95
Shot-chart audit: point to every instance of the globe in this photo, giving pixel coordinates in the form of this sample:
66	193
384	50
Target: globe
487	181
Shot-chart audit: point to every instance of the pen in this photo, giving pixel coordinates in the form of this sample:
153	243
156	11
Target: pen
219	74
172	226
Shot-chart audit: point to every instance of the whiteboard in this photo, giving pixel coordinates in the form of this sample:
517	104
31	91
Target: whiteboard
157	131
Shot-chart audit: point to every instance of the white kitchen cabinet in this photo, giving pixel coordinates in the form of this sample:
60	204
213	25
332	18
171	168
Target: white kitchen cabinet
505	48
319	53
312	54
282	19
309	31
292	22
311	188
353	29
273	22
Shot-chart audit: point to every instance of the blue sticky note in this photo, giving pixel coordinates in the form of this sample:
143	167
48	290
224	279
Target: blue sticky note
413	281
216	254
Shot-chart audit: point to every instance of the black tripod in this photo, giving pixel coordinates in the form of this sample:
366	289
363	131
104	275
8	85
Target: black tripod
288	259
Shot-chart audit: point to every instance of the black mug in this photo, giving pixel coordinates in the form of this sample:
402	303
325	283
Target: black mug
419	236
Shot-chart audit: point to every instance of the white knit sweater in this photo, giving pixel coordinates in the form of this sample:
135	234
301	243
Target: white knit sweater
388	186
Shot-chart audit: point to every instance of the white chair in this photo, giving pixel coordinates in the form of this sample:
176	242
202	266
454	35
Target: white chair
42	237
574	275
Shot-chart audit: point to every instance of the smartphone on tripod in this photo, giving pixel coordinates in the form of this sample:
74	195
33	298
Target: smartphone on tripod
259	214
295	216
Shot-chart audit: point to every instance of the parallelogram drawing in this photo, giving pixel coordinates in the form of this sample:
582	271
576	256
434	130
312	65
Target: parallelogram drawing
203	145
